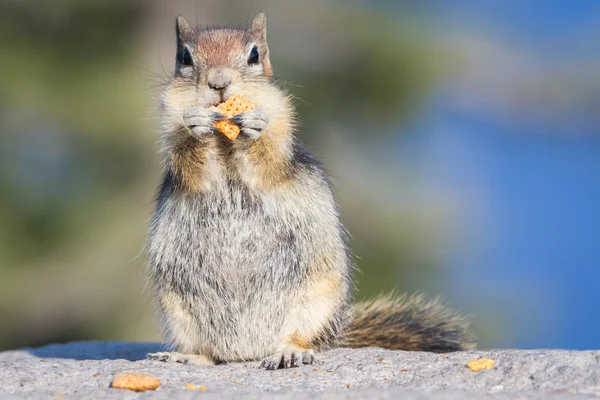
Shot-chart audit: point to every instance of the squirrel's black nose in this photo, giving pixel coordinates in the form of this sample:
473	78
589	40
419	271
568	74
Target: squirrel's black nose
218	78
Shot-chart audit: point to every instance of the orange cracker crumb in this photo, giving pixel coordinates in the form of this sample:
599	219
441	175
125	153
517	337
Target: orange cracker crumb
135	382
481	364
234	105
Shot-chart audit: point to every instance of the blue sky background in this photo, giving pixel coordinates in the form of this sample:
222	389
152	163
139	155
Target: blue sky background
529	222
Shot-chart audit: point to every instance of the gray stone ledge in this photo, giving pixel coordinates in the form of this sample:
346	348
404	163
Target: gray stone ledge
372	373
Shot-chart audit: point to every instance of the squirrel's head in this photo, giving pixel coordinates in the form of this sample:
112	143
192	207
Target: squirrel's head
211	64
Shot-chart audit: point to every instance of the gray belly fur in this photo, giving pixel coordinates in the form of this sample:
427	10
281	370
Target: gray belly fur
227	266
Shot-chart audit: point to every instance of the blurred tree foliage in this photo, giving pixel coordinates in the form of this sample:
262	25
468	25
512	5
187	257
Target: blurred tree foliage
69	122
77	163
60	70
382	75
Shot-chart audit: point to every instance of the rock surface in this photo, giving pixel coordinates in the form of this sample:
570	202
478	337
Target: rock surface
85	369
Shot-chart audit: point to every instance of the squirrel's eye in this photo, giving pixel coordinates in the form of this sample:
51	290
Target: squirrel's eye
253	58
186	58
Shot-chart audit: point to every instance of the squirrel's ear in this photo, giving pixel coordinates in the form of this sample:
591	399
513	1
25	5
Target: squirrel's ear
183	29
258	30
259	27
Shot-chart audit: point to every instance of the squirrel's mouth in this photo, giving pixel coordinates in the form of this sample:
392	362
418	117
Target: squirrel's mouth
223	97
225	94
214	99
220	97
218	101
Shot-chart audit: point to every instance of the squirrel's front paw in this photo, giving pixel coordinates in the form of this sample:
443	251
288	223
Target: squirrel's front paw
252	123
200	120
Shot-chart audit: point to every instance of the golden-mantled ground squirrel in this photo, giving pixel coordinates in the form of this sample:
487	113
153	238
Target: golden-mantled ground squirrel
247	254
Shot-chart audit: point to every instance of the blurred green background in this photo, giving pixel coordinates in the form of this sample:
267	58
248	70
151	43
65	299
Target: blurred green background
78	156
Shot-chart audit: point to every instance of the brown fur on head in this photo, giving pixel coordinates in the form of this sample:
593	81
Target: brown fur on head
219	47
206	58
241	54
211	65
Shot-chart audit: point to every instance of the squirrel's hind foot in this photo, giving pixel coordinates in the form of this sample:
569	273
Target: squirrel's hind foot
288	356
174	357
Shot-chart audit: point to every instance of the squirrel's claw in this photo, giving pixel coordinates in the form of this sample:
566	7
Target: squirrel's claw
217	116
308	357
200	120
288	357
252	123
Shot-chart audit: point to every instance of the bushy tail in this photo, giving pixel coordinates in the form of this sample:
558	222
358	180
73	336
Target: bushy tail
402	322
